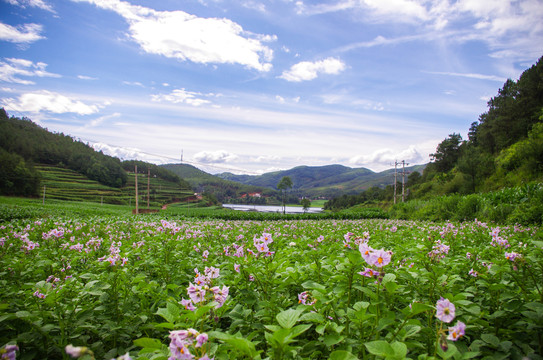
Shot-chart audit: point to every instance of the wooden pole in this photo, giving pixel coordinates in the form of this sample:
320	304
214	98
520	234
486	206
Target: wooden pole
395	179
403	180
148	184
136	175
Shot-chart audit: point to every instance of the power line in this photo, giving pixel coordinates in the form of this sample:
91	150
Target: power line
194	163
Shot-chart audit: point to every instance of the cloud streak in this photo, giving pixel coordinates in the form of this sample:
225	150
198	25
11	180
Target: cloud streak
11	70
22	34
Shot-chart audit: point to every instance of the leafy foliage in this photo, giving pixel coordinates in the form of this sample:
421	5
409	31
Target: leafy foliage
116	284
35	144
17	177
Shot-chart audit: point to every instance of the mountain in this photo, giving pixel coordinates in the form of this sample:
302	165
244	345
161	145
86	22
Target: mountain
325	181
222	189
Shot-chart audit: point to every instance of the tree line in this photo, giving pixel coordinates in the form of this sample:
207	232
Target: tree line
504	149
24	143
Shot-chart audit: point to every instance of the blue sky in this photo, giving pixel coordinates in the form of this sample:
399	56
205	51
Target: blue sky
254	86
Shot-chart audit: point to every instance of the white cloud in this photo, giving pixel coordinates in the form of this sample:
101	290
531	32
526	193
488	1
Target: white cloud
36	102
385	158
469	75
133	83
266	158
181	96
177	34
307	70
211	157
254	5
22	34
32	3
84	77
12	69
102	119
129	153
510	28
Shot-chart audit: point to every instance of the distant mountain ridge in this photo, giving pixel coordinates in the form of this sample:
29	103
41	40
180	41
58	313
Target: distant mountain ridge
328	180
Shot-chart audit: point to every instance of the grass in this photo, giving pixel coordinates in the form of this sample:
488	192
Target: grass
64	184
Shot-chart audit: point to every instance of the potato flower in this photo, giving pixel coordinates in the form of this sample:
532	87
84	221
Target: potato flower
445	310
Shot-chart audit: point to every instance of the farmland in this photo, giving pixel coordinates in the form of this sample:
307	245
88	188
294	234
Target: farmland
165	286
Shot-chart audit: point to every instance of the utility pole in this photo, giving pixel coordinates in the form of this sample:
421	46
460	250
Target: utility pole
136	177
403	180
396	163
148	184
395	179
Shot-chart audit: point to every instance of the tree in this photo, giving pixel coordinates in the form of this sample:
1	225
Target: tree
284	184
447	153
306	203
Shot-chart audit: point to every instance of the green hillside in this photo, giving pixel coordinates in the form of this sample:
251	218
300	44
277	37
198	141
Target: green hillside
326	181
218	188
481	176
34	160
66	184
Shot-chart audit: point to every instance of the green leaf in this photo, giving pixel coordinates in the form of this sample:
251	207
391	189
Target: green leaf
313	317
361	305
380	348
288	318
388	278
470	355
310	284
167	315
535	306
342	355
299	329
239	343
417	308
23	314
391	287
333	339
490	339
411	330
148	343
400	349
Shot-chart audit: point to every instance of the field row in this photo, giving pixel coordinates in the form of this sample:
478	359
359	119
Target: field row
271	289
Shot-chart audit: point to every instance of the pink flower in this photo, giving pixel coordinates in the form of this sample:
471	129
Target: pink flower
212	272
188	304
9	352
445	310
369	272
304	298
236	267
457	331
75	351
380	258
366	251
201	339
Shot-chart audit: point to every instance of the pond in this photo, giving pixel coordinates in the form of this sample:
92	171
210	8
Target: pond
270	208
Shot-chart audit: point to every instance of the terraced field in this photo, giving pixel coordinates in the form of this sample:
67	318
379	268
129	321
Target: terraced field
64	184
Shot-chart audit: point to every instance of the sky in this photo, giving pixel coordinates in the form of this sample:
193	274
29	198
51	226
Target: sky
252	86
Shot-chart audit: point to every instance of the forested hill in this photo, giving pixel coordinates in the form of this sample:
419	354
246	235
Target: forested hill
24	143
504	146
504	150
326	181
